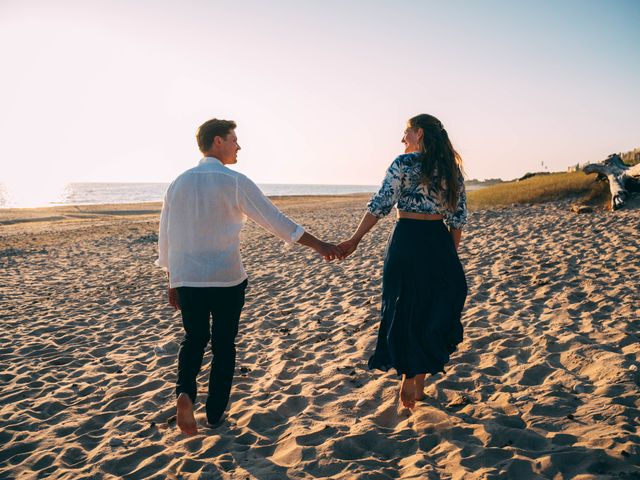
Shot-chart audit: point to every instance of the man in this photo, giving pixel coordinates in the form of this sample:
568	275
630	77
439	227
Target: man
203	212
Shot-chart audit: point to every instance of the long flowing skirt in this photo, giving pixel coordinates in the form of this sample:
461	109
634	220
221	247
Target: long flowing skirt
423	293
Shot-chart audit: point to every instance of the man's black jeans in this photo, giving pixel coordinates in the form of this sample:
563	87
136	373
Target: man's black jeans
223	305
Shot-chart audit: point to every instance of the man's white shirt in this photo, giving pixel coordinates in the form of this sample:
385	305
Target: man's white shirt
203	212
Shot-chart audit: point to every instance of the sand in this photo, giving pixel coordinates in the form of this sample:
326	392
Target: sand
545	384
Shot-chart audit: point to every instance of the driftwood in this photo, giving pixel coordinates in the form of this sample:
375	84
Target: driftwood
623	179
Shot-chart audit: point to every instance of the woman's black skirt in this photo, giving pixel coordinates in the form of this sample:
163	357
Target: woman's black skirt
423	293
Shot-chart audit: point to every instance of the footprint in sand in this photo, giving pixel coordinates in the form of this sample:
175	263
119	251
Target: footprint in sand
535	375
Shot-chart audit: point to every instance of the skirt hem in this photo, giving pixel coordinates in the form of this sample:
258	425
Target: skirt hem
385	367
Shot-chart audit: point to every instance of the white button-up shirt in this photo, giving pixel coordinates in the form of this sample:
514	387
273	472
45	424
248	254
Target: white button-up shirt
203	212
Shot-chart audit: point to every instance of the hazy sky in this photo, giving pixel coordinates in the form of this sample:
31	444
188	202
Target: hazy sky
114	90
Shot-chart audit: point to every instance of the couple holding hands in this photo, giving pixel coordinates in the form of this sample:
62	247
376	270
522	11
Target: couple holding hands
423	284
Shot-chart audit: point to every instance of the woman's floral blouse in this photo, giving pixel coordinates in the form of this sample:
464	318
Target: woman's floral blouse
402	186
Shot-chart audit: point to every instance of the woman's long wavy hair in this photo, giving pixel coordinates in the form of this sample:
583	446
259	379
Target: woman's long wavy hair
438	156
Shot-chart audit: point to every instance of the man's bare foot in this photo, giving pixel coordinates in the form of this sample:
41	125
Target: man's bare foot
186	420
408	392
419	382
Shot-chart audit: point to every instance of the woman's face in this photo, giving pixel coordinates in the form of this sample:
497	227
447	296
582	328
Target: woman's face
412	139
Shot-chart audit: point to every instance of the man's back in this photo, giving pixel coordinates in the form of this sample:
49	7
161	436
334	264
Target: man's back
204	210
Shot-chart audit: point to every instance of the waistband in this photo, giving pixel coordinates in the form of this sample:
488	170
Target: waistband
419	221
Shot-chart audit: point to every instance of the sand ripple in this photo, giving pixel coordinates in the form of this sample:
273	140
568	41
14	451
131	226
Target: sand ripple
545	384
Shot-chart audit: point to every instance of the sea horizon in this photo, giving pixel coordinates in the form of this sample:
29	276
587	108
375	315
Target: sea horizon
100	193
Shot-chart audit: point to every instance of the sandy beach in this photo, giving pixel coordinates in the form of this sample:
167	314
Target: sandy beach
545	384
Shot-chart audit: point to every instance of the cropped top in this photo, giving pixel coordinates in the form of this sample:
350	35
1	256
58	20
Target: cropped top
402	185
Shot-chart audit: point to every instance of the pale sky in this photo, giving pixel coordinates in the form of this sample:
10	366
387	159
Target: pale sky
114	90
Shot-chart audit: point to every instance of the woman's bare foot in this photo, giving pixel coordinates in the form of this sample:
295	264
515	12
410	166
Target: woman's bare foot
419	382
408	392
186	420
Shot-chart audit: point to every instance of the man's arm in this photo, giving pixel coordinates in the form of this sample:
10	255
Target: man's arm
327	250
163	236
174	300
163	252
261	210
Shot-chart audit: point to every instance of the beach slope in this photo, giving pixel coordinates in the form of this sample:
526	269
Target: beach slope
545	384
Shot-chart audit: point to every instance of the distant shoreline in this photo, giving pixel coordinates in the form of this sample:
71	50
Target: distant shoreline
83	194
12	218
72	194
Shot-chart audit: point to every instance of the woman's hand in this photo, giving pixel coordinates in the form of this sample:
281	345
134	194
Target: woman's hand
328	251
348	247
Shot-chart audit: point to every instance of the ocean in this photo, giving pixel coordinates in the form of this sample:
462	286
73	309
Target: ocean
101	193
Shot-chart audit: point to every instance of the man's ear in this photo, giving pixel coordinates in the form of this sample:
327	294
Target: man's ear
217	140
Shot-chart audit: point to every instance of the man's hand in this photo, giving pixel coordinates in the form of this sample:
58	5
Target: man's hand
328	250
347	248
173	298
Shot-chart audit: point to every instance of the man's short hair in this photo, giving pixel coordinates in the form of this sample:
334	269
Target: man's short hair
211	129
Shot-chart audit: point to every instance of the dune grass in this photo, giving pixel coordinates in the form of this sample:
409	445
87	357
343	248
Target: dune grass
542	188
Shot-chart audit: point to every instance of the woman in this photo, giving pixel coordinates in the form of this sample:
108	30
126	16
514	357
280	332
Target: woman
423	283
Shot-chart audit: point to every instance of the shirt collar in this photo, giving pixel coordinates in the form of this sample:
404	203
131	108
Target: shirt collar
210	160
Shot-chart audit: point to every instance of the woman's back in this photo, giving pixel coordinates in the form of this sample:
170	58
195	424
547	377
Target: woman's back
404	185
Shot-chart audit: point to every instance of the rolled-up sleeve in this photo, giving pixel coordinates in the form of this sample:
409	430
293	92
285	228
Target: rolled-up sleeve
163	237
457	219
259	208
387	196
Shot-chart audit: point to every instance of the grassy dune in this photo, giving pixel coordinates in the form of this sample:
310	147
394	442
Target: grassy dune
542	188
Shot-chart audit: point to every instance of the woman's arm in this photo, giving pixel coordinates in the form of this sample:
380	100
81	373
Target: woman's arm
380	205
457	219
349	246
456	235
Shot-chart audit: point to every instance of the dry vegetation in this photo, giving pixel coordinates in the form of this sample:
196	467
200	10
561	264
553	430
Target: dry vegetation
542	188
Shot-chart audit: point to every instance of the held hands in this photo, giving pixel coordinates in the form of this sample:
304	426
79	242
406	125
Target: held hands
348	247
337	252
329	251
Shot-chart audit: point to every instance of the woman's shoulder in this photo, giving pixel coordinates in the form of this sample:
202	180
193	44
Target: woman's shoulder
406	159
